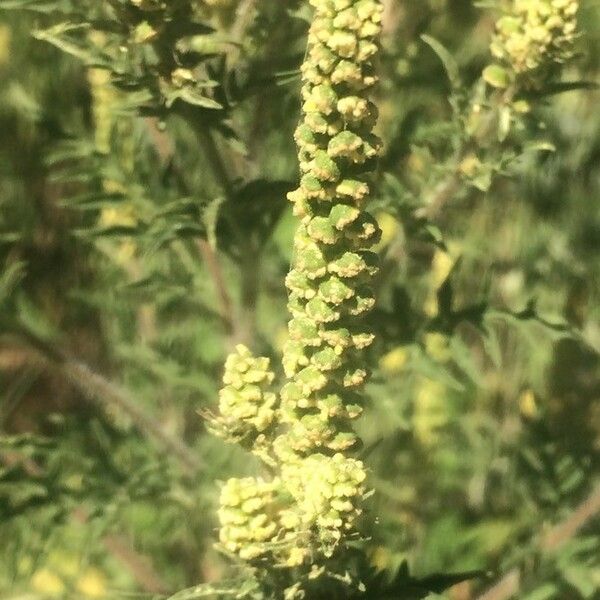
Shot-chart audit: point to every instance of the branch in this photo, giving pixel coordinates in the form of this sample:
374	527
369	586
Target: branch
244	16
97	388
508	586
210	258
164	148
569	528
391	17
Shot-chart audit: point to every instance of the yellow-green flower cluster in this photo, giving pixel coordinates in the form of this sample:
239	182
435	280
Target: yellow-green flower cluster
329	281
246	526
535	33
246	407
314	503
327	492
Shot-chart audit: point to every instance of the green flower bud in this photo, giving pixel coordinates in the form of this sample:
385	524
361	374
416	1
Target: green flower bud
324	167
305	330
335	291
319	311
328	492
326	360
350	264
321	230
338	339
322	99
349	73
353	108
342	215
356	190
311	380
347	145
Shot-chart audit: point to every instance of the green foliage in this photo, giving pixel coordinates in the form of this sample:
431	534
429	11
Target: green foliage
147	149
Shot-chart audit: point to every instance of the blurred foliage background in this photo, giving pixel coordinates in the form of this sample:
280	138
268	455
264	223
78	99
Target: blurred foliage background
146	152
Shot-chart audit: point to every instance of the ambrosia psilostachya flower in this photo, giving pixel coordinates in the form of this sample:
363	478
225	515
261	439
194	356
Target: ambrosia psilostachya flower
313	504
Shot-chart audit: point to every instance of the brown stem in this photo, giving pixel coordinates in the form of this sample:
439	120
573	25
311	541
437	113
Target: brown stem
97	388
243	20
244	327
138	565
390	18
164	148
508	586
211	260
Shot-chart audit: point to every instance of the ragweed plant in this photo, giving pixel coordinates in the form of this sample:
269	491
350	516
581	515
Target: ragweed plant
310	510
174	145
533	36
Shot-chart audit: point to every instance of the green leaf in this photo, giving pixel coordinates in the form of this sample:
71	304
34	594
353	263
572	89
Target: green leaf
504	121
58	35
93	200
191	96
450	64
11	277
539	146
582	578
41	6
545	592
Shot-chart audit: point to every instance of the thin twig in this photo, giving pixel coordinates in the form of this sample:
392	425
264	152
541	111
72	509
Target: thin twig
506	588
244	324
391	17
244	14
220	172
138	565
211	260
164	148
509	585
98	388
568	528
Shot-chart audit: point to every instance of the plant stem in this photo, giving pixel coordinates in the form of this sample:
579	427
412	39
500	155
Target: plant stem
97	388
509	585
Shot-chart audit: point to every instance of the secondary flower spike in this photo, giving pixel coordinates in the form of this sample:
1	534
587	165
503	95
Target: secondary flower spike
534	34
